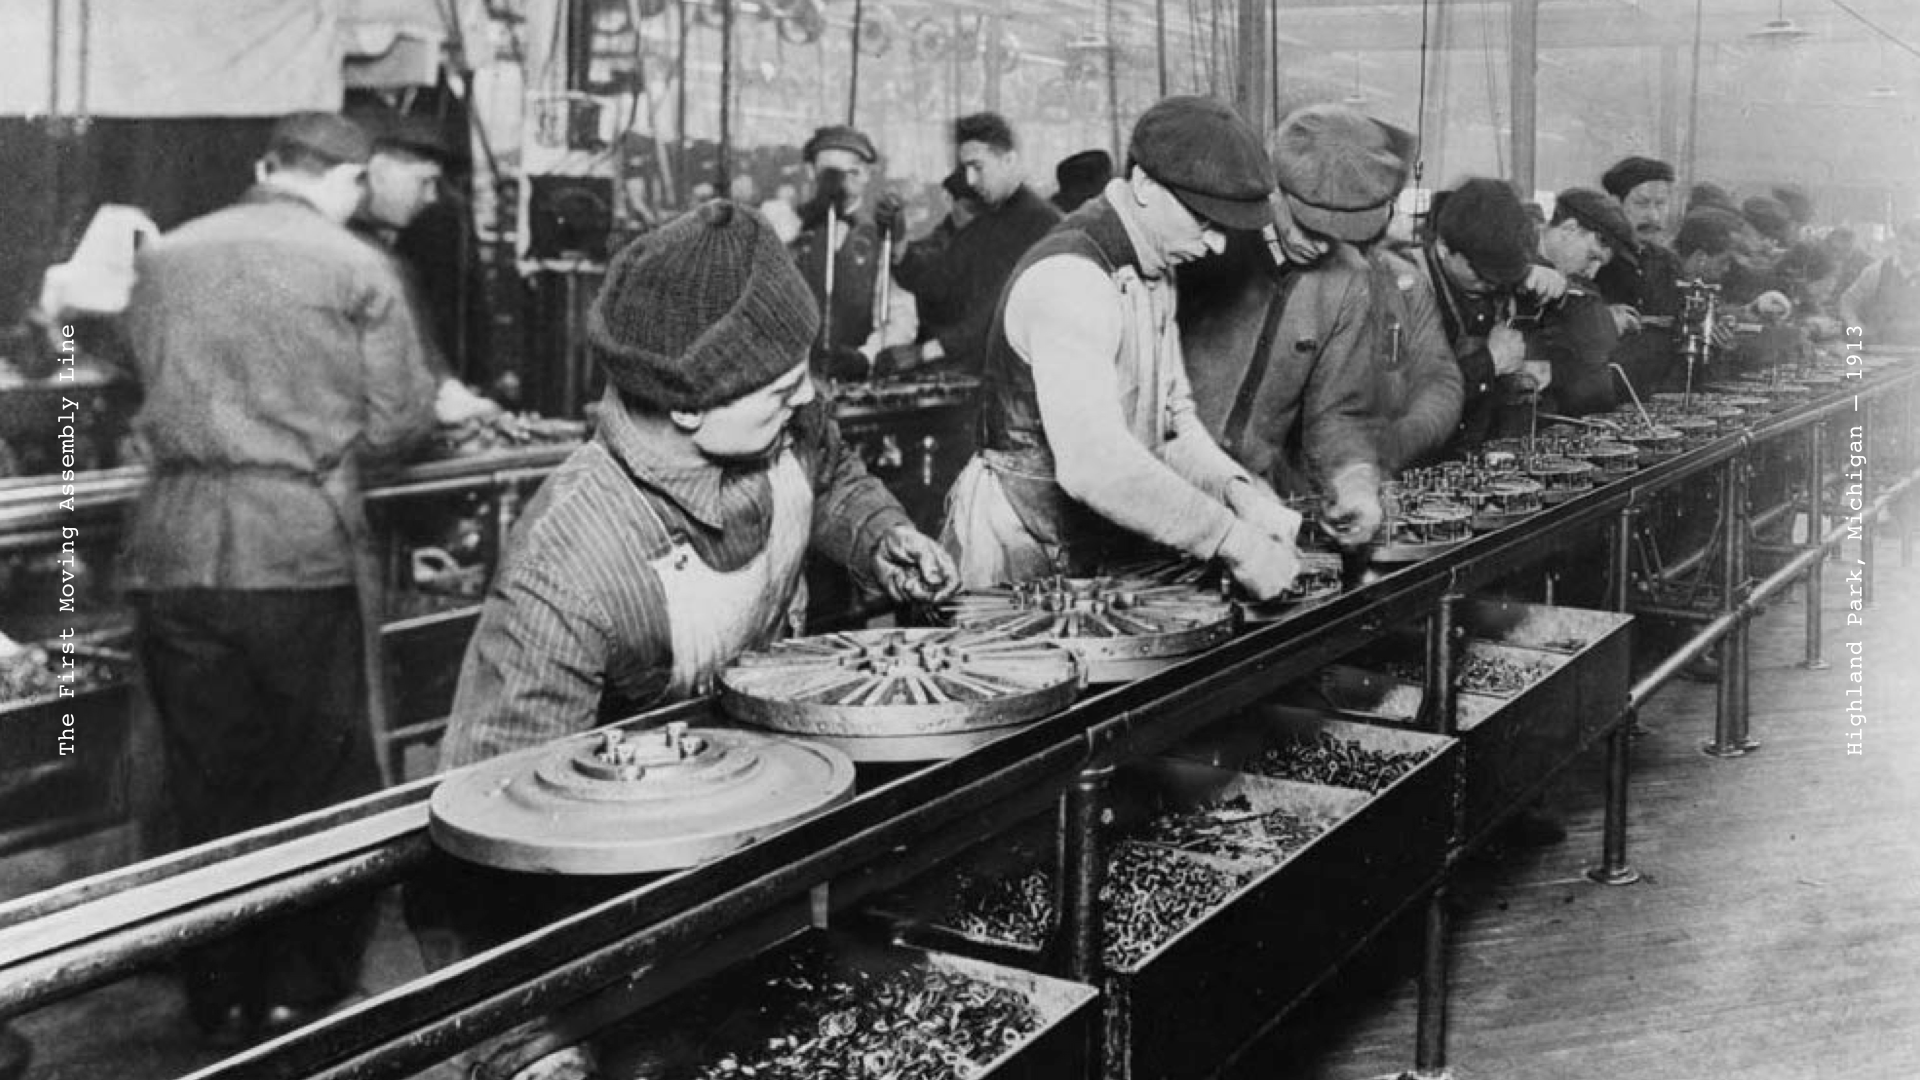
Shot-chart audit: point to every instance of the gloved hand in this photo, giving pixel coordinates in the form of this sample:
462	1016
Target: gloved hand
896	360
1508	348
1261	565
1256	505
910	565
1545	282
890	214
843	362
1626	319
1540	372
1353	513
455	404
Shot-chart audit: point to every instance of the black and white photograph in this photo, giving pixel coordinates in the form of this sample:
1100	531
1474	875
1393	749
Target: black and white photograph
912	540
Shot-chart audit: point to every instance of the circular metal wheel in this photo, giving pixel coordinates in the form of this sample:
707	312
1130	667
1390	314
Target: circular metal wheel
1421	528
901	695
1123	626
1321	575
618	802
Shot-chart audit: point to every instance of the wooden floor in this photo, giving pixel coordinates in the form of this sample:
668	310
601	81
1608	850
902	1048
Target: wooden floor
1776	935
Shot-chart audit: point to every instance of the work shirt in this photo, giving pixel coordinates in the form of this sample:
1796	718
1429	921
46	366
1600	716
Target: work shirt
957	273
1417	382
276	350
1884	301
1304	412
576	630
1650	283
1577	337
854	316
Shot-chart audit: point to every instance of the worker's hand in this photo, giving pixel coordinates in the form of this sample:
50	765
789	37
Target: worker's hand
1545	282
1255	504
890	214
1539	373
1626	319
454	404
1772	304
1508	347
896	360
1354	513
910	565
1261	565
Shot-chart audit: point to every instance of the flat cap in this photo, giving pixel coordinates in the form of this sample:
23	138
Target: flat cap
1601	216
1799	204
840	137
1211	159
1708	229
1340	170
329	136
1629	173
1769	217
420	136
1483	221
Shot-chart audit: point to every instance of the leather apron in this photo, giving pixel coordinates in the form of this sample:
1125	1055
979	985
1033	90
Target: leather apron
713	616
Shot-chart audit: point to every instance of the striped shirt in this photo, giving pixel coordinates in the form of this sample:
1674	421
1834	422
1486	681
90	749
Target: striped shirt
575	630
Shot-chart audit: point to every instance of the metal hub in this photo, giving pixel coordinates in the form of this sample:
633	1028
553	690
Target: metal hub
621	802
1124	626
901	695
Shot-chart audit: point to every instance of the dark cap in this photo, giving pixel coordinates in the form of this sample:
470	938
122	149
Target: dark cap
1708	193
1630	173
329	136
1484	222
1799	204
1769	217
1340	170
418	136
1708	229
840	137
1208	157
1088	168
1601	216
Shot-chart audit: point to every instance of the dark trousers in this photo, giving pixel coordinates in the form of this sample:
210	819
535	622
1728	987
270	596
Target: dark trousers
262	708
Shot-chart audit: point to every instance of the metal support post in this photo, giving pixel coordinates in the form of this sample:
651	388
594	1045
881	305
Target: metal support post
1626	530
1816	529
1083	866
1729	726
1613	868
1441	717
1866	499
1430	1025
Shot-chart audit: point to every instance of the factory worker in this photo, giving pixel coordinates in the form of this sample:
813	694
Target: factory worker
672	542
1090	448
1278	333
1644	290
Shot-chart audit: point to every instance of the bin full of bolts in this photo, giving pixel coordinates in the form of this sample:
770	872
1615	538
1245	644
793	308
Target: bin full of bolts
1534	687
832	1005
1213	920
64	732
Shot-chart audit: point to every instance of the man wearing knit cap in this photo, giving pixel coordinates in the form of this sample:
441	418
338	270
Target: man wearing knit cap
847	288
1090	448
278	360
1478	261
1643	290
1278	333
672	542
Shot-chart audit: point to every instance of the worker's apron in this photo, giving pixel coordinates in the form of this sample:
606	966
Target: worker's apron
713	616
341	487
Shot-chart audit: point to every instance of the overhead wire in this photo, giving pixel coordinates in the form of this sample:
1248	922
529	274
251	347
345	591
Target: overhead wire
1876	28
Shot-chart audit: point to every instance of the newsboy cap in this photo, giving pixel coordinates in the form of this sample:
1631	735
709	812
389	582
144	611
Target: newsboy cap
325	135
840	137
1208	157
1601	216
1339	170
1629	173
1483	221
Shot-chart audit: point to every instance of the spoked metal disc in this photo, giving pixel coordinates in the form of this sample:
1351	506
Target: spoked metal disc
1124	626
634	803
1321	576
901	695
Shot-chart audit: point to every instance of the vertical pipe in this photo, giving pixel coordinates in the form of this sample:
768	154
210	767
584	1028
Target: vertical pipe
579	45
853	78
681	182
1613	868
1816	528
992	60
1741	516
1083	859
1670	96
1253	93
1726	718
1691	144
1113	89
723	164
1430	1022
1160	44
1522	64
1441	715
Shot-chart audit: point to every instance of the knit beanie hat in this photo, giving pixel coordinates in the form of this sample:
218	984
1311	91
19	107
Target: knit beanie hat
702	310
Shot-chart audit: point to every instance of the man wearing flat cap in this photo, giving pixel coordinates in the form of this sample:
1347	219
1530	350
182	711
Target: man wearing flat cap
1643	290
1278	332
839	255
1577	334
1090	447
1479	262
278	360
